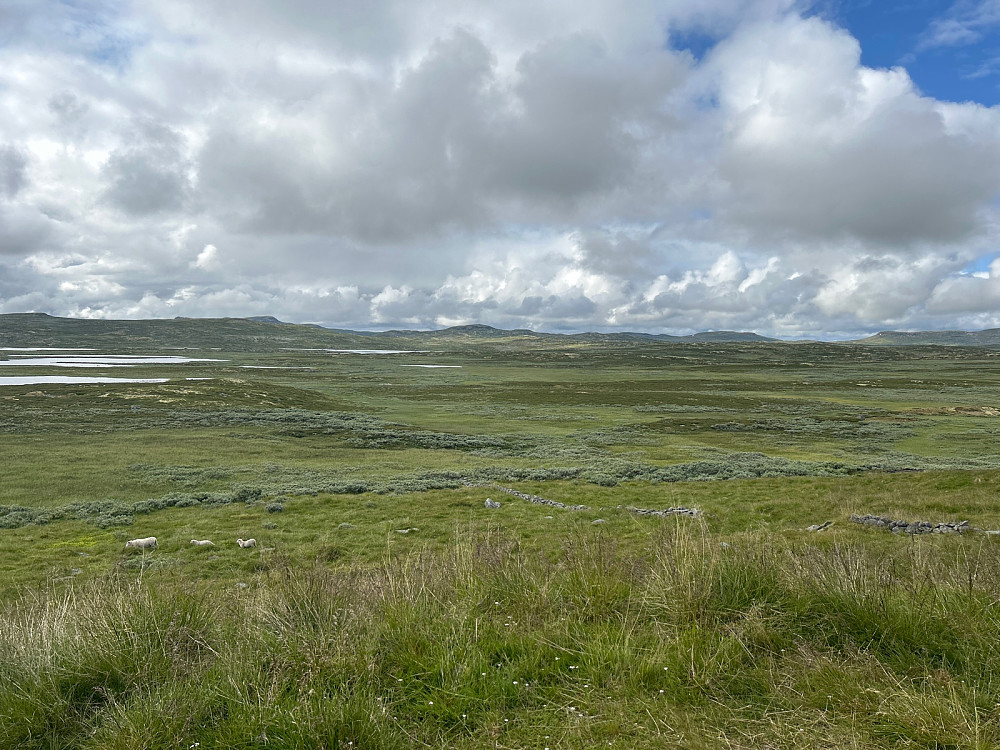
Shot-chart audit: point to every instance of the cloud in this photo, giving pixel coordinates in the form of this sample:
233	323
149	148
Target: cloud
420	163
149	174
451	145
13	170
208	258
820	147
965	22
24	230
883	288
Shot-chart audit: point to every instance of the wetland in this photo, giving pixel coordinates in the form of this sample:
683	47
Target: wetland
528	625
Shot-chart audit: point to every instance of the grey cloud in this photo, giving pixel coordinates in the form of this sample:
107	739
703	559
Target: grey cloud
361	28
414	175
149	175
254	183
552	311
451	147
565	139
396	174
13	18
619	254
24	230
584	121
530	306
13	170
571	310
69	111
902	180
966	295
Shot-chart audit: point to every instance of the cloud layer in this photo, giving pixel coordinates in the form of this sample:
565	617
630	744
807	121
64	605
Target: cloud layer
390	163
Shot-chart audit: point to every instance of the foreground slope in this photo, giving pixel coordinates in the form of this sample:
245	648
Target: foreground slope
386	606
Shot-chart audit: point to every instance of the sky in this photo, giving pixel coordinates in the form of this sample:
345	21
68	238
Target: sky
816	169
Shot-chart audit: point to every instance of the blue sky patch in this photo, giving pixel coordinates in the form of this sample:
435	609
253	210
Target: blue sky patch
695	41
980	264
950	49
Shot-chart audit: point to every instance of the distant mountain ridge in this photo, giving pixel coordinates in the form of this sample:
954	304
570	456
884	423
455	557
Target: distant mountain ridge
268	332
41	329
988	337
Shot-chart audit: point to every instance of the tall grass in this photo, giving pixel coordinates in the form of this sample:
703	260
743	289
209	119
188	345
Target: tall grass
757	643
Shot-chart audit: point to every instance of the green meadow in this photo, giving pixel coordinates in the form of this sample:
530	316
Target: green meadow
385	606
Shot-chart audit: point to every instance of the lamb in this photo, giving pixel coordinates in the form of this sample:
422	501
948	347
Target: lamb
202	543
147	543
244	543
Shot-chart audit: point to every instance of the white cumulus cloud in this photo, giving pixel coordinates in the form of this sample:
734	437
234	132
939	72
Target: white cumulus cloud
558	166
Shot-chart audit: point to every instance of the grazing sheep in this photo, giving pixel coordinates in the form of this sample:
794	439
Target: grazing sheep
202	543
148	543
244	543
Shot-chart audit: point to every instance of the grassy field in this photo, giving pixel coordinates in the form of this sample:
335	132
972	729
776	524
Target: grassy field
384	606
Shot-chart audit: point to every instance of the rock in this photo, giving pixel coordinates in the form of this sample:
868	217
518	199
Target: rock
678	511
897	526
491	503
346	525
598	520
820	526
539	500
407	531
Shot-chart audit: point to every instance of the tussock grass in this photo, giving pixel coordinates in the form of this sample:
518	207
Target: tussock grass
762	643
523	626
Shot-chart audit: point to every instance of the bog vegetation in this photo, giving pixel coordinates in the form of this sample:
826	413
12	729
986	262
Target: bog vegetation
385	606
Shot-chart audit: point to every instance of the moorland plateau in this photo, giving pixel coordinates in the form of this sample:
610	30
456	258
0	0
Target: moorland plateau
384	606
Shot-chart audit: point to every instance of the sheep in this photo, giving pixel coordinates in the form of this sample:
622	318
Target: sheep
148	543
202	543
244	543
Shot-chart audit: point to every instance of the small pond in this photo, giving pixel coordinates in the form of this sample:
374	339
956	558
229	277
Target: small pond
52	379
85	360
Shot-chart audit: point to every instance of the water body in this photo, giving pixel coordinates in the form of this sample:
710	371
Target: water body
53	379
377	351
361	351
44	349
74	360
436	366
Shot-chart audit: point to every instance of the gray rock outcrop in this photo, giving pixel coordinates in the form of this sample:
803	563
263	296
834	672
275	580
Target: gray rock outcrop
911	527
678	511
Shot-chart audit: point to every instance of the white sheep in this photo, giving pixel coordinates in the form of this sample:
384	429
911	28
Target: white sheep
244	543
202	543
148	543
